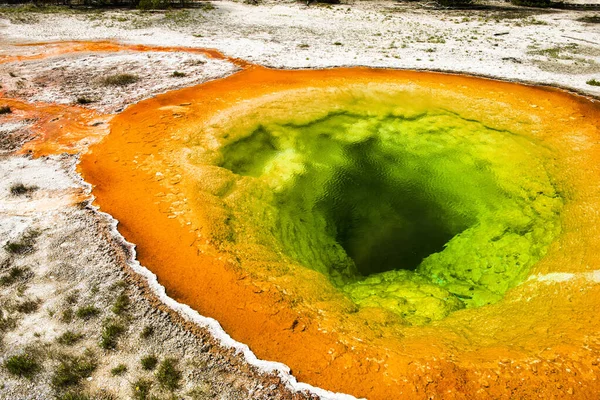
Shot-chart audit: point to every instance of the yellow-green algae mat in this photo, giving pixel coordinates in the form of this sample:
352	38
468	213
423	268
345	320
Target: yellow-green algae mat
405	200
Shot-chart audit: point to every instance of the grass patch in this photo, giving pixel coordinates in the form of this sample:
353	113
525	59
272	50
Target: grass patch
69	338
118	370
167	375
120	80
593	82
74	396
28	306
15	274
23	365
6	323
5	110
141	389
72	370
72	298
110	333
178	74
23	246
121	304
87	312
84	100
18	189
149	362
147	332
590	19
67	316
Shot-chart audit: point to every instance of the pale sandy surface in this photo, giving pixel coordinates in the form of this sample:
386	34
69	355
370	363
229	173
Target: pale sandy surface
76	252
542	46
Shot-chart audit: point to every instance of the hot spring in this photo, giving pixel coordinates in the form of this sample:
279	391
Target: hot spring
375	230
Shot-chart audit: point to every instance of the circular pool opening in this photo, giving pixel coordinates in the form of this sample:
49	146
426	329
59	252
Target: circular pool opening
419	214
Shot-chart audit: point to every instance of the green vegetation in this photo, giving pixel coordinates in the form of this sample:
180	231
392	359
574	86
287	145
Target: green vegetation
120	80
67	315
23	246
6	323
110	333
147	332
84	100
74	396
593	82
178	74
141	389
72	297
87	312
24	365
149	362
118	370
5	110
69	338
455	3
15	274
591	19
167	375
28	306
532	3
152	4
71	370
121	304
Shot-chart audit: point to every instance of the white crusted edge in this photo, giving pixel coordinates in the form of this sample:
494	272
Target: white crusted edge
558	277
212	325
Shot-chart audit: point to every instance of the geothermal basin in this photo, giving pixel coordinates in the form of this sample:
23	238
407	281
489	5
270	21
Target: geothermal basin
387	234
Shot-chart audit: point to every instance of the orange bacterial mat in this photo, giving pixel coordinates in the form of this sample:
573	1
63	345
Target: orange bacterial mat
541	340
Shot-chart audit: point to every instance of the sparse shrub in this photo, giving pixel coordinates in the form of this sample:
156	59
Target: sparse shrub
454	3
28	306
152	4
110	333
141	389
118	285
24	245
591	19
338	43
87	312
18	189
72	370
120	80
6	323
72	297
149	362
15	274
121	304
5	110
74	396
593	82
531	3
178	74
167	375
147	332
24	365
84	100
67	315
69	338
118	370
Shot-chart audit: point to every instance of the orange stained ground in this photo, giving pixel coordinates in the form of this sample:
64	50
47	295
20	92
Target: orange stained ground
541	341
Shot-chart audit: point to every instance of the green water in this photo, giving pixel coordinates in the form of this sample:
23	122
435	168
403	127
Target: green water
420	214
